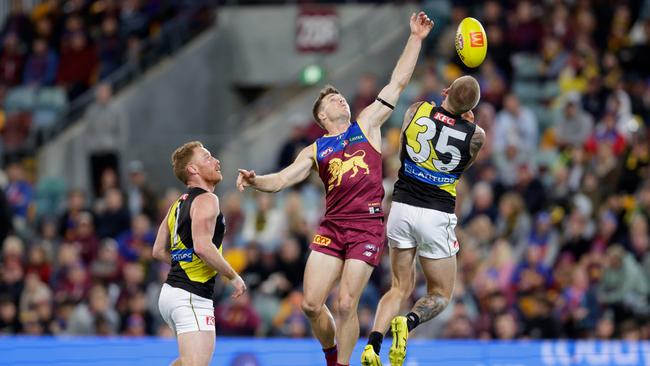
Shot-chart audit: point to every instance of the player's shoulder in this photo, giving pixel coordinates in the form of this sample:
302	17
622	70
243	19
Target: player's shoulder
206	201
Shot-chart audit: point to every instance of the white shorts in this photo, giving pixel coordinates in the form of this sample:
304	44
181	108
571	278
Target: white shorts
184	311
431	231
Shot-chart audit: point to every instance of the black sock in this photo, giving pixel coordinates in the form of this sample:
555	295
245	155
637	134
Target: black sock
412	320
375	339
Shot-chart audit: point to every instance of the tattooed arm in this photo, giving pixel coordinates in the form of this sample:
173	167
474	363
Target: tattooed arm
475	144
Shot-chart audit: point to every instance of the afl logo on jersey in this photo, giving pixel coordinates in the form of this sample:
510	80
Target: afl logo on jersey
326	152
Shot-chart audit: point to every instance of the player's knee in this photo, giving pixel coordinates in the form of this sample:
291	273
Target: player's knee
347	306
404	288
310	309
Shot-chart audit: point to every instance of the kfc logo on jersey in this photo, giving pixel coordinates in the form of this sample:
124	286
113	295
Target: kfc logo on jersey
321	240
209	320
326	152
476	39
444	119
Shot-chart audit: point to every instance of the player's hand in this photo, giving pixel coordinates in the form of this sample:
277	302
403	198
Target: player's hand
469	116
421	25
239	285
245	179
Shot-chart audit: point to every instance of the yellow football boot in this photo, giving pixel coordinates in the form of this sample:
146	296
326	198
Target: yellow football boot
400	331
369	357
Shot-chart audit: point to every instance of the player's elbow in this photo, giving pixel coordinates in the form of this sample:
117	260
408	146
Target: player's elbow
202	247
199	248
158	253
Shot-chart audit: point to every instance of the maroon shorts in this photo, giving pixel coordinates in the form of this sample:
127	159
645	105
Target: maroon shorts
361	239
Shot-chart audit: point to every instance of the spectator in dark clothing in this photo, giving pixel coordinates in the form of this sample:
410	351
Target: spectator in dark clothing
76	204
6	221
530	188
85	239
9	324
539	322
577	241
11	61
115	218
366	94
290	264
77	66
110	47
133	20
237	317
526	32
18	22
41	65
297	141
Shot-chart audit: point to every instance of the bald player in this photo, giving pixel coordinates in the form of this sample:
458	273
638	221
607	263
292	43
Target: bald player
438	145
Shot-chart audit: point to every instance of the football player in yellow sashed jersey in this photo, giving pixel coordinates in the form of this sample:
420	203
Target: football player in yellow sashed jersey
438	145
190	239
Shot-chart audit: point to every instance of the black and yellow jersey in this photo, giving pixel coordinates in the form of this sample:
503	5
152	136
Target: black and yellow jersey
435	152
188	271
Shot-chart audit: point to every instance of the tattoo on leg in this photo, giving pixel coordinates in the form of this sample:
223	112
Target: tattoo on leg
430	305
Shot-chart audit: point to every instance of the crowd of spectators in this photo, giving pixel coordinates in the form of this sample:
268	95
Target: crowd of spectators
553	216
52	53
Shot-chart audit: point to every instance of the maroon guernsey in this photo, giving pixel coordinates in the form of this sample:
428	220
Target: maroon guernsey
351	169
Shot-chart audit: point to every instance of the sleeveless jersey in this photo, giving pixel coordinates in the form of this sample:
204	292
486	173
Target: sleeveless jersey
351	170
435	152
188	271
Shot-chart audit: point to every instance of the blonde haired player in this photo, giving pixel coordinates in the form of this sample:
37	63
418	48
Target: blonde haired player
438	144
195	227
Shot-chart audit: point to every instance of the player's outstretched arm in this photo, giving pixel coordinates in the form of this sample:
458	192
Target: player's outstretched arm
204	212
373	116
160	245
294	173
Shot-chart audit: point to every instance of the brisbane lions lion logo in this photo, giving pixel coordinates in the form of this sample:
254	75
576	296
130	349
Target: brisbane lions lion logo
338	167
